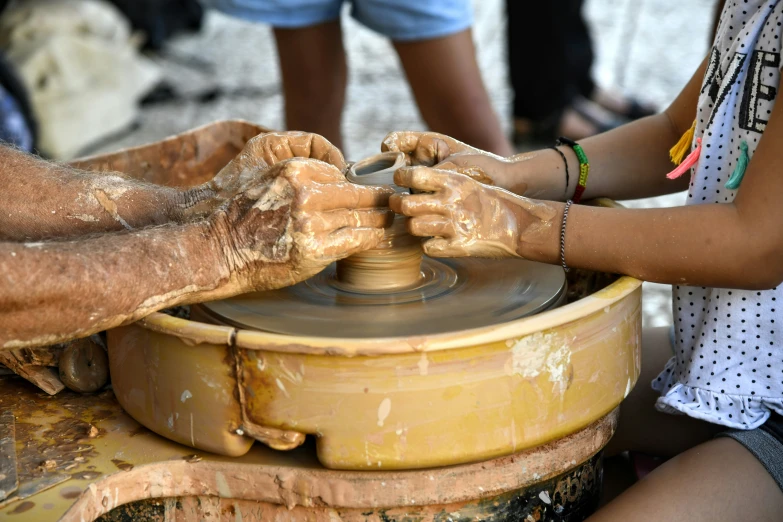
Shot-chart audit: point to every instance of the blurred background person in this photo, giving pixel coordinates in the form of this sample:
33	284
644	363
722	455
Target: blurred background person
17	125
551	57
433	41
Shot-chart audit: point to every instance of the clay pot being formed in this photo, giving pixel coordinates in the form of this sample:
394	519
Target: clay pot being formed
376	170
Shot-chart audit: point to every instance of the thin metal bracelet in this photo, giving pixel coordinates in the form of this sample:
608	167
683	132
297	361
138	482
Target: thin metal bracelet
562	235
565	162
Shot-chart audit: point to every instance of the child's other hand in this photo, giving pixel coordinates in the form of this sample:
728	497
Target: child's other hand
431	149
464	217
426	148
485	168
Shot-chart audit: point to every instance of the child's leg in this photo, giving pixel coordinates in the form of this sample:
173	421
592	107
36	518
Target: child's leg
314	71
716	481
642	428
447	84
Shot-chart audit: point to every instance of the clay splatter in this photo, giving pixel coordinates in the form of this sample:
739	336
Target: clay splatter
383	411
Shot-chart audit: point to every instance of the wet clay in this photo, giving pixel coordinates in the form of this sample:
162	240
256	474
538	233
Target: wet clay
394	264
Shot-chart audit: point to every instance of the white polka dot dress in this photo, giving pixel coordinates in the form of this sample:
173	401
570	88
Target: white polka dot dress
728	344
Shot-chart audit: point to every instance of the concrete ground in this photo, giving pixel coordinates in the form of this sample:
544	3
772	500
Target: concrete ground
646	48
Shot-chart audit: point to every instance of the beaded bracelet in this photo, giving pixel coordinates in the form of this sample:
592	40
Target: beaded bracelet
562	236
584	166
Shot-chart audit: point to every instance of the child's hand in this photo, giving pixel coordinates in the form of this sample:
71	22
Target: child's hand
514	174
464	217
485	168
426	148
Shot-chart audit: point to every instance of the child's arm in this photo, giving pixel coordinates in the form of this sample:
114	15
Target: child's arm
731	245
736	245
631	162
626	163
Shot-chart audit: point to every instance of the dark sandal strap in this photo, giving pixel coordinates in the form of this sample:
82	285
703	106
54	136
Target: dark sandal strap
544	131
601	126
638	111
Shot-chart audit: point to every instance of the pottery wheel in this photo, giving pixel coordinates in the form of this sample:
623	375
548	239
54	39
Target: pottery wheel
394	290
455	294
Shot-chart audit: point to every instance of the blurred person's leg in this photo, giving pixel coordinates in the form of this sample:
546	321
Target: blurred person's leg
446	81
435	46
580	56
314	73
550	61
312	58
578	47
542	77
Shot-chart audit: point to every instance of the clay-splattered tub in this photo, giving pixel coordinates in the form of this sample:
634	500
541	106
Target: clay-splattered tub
394	403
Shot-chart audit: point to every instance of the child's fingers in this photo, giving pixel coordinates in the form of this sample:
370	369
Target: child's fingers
420	205
430	226
439	247
424	179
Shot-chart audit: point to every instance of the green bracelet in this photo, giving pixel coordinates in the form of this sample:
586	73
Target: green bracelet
584	166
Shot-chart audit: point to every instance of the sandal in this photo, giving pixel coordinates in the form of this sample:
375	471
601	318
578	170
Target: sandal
638	111
539	132
602	119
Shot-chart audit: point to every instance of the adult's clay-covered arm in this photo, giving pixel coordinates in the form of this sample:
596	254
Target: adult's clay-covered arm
629	162
55	291
297	218
44	200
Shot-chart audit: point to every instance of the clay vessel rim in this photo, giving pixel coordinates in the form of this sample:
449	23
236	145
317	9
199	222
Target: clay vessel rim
377	169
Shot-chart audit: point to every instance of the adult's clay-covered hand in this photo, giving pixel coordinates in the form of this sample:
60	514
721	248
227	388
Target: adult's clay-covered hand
295	219
464	217
266	150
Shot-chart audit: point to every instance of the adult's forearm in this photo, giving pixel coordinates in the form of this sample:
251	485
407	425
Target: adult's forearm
54	291
700	245
43	200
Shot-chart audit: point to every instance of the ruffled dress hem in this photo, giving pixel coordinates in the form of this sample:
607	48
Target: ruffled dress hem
734	411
